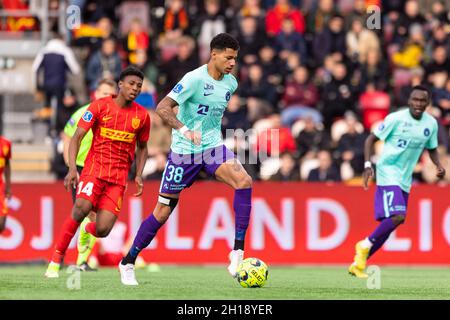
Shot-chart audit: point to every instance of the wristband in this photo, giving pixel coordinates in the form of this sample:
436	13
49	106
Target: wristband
367	164
183	130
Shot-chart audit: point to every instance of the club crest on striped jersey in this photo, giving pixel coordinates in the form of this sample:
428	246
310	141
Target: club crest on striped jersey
87	116
135	122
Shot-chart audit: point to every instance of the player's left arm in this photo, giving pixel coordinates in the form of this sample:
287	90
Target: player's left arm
432	145
141	154
434	156
141	158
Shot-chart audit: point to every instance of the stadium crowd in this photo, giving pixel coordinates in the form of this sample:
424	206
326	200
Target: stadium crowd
323	73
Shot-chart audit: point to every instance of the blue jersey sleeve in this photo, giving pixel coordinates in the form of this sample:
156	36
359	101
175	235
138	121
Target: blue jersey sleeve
184	89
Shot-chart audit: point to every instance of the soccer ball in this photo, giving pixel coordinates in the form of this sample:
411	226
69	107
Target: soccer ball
252	273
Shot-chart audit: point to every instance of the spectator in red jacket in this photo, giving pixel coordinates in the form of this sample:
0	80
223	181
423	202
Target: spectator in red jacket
300	98
281	11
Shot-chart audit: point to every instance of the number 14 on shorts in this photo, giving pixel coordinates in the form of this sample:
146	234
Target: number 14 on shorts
87	189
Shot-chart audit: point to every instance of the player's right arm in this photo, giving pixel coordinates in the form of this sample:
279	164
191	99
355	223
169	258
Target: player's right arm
368	147
71	178
165	110
382	132
84	125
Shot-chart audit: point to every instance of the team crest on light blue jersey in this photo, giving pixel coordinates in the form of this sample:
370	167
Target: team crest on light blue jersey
426	132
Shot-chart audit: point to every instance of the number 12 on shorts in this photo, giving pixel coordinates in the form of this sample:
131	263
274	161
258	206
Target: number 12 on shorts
87	188
175	173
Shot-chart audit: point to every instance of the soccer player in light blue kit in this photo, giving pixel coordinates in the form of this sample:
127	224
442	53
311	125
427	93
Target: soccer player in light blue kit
202	96
406	133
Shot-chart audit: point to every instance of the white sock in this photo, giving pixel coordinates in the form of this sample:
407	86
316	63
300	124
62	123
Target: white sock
366	244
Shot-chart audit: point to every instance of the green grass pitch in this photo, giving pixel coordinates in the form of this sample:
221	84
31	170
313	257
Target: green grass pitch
213	282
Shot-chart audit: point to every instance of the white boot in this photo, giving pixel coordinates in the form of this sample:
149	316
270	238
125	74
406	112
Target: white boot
127	275
236	257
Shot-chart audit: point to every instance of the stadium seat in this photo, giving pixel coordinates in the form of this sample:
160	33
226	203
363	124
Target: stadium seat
374	106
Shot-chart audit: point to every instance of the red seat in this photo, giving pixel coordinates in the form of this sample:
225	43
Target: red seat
374	106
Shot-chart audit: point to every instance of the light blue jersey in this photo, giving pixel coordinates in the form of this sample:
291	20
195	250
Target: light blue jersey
202	101
404	138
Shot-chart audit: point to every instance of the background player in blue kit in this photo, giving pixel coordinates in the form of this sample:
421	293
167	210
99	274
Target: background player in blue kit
406	133
202	96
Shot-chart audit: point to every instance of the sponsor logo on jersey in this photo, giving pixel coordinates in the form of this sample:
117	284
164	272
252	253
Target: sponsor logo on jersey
135	122
178	88
117	135
208	89
106	118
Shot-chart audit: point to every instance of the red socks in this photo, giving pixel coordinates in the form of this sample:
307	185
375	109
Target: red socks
92	229
69	229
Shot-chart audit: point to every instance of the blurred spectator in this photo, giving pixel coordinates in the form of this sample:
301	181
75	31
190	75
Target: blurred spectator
411	52
147	97
406	19
271	65
136	39
281	11
174	69
351	149
417	78
54	60
275	139
374	70
311	139
358	12
235	116
300	98
327	171
439	39
147	66
257	109
318	19
92	35
210	24
251	8
289	41
288	170
337	95
103	64
330	40
361	41
250	40
173	25
440	63
438	12
441	96
256	86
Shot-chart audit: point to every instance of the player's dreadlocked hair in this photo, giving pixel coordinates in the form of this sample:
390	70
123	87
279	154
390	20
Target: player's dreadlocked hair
131	71
223	41
422	88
